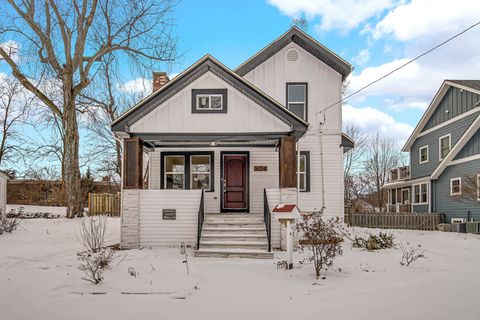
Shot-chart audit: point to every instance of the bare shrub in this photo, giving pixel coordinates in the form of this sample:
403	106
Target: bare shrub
322	238
9	225
93	264
92	233
411	253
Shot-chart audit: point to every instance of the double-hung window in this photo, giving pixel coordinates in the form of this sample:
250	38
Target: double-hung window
455	186
187	170
444	145
297	98
423	154
420	193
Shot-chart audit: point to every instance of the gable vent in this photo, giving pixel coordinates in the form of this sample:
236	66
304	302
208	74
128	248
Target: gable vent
292	55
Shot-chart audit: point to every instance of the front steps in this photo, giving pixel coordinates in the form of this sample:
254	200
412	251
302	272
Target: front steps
234	236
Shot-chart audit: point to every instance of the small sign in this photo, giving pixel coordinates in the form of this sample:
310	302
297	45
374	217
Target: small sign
260	168
169	214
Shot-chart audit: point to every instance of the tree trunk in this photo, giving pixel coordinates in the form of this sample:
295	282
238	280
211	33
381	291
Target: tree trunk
71	166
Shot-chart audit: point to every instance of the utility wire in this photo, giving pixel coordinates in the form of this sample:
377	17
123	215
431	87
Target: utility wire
400	67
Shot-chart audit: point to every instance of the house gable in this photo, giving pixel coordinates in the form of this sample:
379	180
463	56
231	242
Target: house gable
178	114
461	109
472	148
208	65
302	39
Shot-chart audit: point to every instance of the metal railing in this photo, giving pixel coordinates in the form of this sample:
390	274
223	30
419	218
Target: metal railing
268	219
201	218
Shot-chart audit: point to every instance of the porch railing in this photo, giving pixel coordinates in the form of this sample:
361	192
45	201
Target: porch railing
201	218
268	219
399	208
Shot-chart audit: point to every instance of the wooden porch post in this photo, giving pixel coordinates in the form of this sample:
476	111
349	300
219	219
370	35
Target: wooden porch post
288	163
133	163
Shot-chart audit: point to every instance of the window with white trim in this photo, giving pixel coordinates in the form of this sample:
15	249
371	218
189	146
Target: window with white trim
420	193
304	171
297	99
455	186
423	154
209	100
444	145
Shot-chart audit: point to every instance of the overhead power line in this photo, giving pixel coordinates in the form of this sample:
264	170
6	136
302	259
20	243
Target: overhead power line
402	66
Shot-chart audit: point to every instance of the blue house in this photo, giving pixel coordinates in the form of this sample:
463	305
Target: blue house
444	153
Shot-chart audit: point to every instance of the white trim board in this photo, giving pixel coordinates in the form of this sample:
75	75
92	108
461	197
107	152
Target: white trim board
463	160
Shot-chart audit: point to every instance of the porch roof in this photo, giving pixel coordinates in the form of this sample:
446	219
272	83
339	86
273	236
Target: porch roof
185	140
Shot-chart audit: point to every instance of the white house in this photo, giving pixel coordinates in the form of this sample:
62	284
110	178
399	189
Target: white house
209	154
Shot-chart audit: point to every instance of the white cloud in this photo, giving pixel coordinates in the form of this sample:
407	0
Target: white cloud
137	86
371	121
427	18
340	15
362	57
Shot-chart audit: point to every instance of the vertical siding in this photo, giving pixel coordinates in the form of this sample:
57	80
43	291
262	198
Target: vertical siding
456	101
454	207
456	129
259	180
154	231
471	148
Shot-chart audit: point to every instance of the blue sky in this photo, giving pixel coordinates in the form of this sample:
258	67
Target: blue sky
375	36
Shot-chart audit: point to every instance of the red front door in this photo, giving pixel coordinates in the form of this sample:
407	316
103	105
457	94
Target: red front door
235	182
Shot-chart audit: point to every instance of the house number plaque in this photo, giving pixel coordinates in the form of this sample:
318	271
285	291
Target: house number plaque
260	168
169	214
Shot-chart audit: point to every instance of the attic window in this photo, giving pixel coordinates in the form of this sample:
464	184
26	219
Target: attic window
209	100
292	55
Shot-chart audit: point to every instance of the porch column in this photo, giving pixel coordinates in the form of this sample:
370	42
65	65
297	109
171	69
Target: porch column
288	163
133	163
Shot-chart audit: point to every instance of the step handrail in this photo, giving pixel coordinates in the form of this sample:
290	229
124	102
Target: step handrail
201	218
267	219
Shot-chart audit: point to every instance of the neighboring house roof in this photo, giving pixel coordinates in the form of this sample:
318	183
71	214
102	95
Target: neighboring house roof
470	85
306	42
347	143
202	66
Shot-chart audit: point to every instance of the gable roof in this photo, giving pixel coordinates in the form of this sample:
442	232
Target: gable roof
303	40
470	85
202	66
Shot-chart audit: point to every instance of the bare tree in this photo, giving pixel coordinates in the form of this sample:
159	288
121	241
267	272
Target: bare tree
352	164
13	110
62	43
382	154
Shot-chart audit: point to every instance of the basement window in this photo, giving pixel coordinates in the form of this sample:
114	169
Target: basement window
209	100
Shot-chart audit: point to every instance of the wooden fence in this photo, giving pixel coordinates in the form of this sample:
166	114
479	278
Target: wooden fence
104	203
414	221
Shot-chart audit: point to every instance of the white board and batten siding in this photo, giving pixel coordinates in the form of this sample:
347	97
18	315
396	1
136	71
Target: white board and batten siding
259	180
3	195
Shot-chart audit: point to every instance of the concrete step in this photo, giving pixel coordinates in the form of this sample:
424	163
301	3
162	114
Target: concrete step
234	216
232	244
233	236
233	229
233	253
236	220
233	224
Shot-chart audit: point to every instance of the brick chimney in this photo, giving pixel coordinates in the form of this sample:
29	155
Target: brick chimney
159	80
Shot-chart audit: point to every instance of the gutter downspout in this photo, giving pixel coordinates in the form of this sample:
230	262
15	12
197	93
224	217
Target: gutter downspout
298	170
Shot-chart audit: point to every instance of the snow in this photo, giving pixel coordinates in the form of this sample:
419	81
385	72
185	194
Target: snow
39	279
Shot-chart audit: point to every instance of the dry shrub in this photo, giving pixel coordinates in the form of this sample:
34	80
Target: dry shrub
384	240
92	233
410	253
9	225
97	258
93	264
323	238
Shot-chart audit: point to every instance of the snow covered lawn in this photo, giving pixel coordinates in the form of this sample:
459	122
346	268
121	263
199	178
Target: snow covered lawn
39	279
